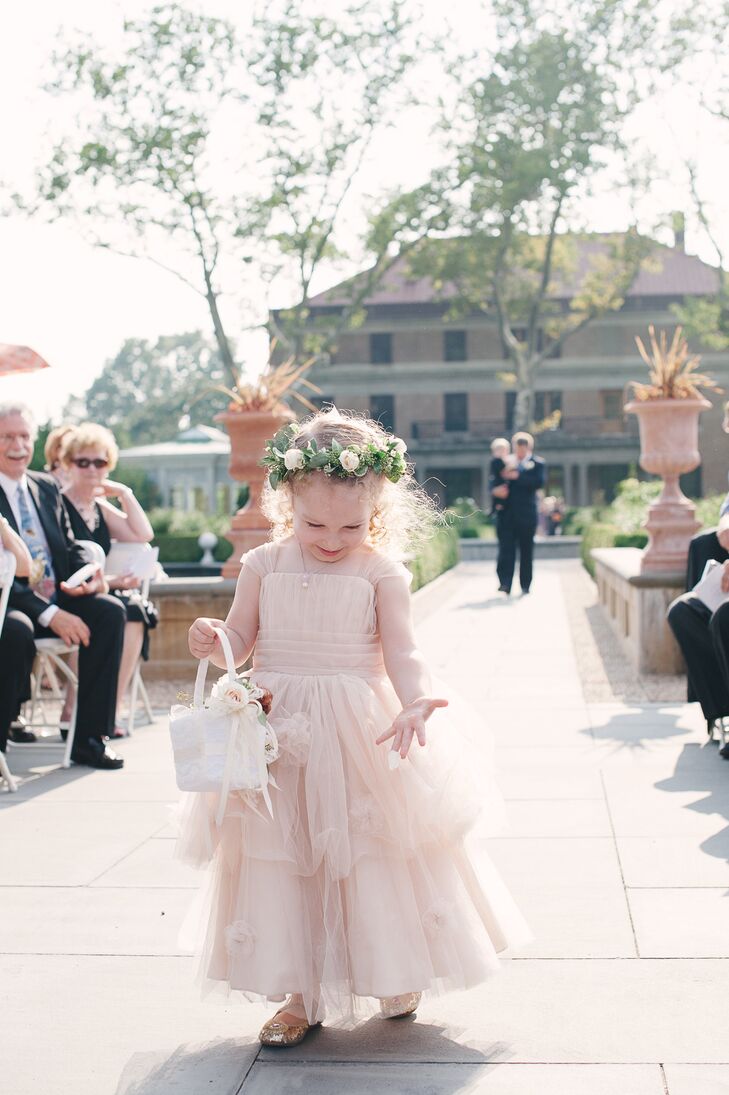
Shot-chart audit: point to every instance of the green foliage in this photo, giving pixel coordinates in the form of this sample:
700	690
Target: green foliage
437	555
537	119
142	393
467	519
707	510
237	147
629	508
597	535
38	460
145	490
177	522
177	548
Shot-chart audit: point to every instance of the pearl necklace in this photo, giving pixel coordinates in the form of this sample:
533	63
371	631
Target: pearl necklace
307	574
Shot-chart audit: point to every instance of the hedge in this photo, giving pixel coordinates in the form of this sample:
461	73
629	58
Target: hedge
176	548
436	556
603	535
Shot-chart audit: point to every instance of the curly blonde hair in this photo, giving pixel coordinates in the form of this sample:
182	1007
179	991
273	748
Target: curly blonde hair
403	514
89	435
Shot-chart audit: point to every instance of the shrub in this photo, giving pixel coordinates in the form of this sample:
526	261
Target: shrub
177	548
436	556
596	536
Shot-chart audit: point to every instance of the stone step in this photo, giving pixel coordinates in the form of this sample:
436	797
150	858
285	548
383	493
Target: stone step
545	547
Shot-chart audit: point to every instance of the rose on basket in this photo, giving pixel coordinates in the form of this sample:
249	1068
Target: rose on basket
241	696
225	742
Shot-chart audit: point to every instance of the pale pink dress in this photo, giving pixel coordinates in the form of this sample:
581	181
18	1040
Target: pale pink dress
360	885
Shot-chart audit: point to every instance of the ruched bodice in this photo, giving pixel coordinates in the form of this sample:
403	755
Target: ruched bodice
329	627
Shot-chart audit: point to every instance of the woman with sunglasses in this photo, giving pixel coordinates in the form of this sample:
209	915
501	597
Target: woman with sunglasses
88	453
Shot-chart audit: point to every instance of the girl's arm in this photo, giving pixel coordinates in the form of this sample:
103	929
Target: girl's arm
241	624
17	547
405	666
131	523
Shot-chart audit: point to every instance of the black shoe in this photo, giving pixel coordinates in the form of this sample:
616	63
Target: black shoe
21	737
524	592
97	758
724	751
503	589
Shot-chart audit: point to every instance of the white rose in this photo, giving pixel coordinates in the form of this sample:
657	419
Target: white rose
230	694
349	460
294	459
400	446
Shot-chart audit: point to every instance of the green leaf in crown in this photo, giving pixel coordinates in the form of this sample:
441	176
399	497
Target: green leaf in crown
284	459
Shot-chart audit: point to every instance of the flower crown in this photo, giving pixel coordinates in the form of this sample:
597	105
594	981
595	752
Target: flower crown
284	459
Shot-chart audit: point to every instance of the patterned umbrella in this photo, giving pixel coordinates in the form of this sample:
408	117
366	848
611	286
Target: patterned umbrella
19	359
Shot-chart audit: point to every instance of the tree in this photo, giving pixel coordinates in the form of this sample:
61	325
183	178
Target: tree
535	127
697	37
235	152
144	391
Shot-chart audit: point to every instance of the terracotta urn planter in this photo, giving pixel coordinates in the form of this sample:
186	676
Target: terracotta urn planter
248	432
669	447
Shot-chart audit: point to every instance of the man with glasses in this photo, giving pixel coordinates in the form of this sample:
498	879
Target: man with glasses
43	605
517	521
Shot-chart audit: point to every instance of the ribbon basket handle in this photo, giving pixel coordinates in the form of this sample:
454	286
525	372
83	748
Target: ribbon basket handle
202	669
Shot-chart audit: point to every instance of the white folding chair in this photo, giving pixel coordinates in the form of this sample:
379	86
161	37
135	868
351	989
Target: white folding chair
7	573
130	552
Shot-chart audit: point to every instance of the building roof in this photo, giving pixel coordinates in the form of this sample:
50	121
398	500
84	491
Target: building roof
196	441
669	272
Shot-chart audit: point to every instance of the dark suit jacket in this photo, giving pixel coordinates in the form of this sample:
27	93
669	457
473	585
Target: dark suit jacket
523	491
66	555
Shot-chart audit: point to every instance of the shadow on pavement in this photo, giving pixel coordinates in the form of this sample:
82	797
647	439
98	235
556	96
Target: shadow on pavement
38	770
635	727
712	780
223	1066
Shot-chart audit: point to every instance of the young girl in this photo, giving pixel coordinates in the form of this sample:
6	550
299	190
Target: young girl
359	886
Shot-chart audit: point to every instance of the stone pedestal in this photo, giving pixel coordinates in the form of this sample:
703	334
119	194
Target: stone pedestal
636	603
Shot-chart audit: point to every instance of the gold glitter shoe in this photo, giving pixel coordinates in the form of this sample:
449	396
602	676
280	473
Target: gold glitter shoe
277	1032
396	1007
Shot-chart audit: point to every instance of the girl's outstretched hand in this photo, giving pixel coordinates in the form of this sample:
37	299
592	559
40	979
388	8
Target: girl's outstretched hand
201	637
410	723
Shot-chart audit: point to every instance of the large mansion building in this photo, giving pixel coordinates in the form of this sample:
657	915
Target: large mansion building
440	384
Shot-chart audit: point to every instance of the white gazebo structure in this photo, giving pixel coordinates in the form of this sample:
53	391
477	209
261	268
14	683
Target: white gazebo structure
191	472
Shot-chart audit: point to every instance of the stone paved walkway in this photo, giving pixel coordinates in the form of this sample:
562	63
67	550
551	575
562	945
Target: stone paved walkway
617	851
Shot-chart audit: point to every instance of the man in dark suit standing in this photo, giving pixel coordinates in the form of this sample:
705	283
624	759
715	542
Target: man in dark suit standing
43	606
517	522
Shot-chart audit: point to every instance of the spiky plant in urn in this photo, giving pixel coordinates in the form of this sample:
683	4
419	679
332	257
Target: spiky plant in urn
668	409
257	410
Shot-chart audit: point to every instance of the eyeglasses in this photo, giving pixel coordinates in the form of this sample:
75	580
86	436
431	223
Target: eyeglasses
84	462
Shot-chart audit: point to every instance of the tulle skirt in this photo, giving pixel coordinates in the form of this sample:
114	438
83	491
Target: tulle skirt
366	882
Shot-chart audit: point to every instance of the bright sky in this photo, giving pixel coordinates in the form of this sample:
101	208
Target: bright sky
76	304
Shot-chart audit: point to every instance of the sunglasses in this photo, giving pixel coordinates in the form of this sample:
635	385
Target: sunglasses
84	462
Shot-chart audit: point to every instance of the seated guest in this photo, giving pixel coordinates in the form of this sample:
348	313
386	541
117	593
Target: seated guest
52	453
16	660
88	453
702	635
43	602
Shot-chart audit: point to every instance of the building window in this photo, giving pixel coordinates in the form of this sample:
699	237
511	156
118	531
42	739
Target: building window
521	334
510	410
612	403
454	346
545	404
381	349
382	409
456	411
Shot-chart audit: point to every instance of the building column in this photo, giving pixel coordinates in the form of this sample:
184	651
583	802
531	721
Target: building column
582	489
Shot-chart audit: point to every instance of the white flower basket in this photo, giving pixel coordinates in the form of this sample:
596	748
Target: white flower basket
226	743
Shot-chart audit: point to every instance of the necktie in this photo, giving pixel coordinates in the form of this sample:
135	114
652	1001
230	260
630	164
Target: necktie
45	585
